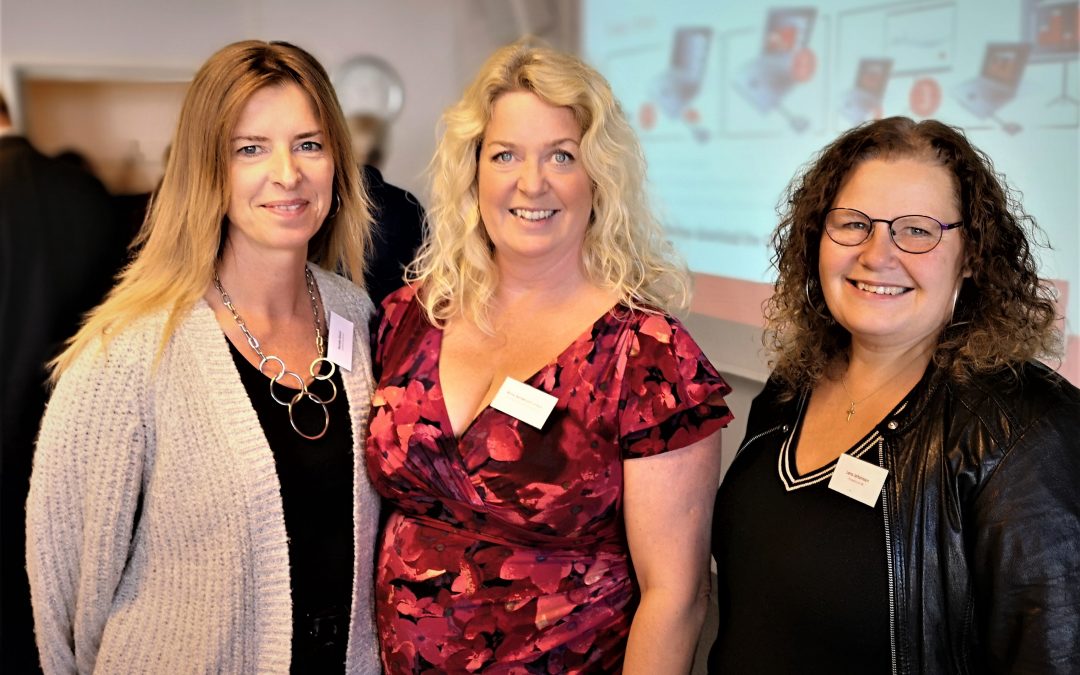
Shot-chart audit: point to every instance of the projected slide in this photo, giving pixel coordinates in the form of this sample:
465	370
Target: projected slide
730	99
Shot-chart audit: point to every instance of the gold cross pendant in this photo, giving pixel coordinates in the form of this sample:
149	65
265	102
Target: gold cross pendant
850	411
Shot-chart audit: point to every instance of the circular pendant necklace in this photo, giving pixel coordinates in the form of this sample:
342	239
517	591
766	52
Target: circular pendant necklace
303	393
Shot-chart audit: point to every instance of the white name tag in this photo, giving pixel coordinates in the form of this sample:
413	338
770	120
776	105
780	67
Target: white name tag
339	345
857	479
528	404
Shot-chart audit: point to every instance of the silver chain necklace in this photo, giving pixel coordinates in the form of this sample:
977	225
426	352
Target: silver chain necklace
303	393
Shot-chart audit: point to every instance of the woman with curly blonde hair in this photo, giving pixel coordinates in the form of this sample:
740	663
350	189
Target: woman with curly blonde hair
540	419
906	498
623	249
195	503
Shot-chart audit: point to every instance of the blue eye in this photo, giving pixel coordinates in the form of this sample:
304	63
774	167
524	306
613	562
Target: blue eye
503	157
562	157
311	146
248	150
913	232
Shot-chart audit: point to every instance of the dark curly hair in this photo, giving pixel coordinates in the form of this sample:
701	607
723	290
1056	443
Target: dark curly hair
1004	314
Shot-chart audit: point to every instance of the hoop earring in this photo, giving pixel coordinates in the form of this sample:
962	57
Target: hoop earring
952	315
810	304
337	207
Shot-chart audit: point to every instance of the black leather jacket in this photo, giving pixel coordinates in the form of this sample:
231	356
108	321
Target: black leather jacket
982	515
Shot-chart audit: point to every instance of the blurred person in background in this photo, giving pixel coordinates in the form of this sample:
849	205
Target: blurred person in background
370	139
574	540
398	217
907	499
59	249
74	158
197	502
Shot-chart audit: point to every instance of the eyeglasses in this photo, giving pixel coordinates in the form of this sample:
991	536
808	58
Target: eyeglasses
912	234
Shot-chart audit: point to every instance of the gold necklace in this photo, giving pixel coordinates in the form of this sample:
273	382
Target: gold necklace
851	406
303	392
888	381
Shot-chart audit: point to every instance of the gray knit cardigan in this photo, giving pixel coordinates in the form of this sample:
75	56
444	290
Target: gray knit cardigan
199	582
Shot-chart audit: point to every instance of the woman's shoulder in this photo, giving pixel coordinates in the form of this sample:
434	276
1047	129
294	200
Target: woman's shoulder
130	347
401	297
1031	385
343	297
1013	400
332	283
111	367
1039	380
661	345
774	405
398	304
671	394
776	393
655	326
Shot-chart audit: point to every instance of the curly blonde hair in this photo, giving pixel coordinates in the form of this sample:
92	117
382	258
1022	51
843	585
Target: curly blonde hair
182	237
1004	313
624	247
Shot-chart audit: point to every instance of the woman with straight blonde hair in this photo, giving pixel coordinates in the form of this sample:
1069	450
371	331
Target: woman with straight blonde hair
540	419
192	505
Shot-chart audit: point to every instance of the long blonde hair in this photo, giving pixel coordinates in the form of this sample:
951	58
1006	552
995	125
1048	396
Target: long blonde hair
624	247
182	237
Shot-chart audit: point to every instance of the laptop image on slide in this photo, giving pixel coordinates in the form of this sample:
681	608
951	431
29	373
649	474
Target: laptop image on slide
864	101
996	85
767	79
680	83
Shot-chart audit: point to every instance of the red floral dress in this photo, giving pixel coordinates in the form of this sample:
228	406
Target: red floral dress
504	550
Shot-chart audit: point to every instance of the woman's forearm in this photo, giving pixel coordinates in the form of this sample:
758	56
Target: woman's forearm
664	633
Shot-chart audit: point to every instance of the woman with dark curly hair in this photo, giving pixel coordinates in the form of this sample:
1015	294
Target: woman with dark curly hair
906	497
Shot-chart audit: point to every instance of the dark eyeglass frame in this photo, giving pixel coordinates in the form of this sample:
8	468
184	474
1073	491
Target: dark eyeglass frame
892	233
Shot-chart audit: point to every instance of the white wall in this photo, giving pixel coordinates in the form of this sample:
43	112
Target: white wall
736	351
435	46
418	37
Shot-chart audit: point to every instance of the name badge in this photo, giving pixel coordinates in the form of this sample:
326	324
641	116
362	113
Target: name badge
857	479
339	343
528	404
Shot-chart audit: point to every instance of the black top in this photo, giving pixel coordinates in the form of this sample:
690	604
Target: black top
803	584
317	497
396	233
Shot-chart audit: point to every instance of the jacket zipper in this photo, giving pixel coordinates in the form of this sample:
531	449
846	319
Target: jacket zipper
748	441
888	561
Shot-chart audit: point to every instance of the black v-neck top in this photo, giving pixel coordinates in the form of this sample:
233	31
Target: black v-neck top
803	577
316	493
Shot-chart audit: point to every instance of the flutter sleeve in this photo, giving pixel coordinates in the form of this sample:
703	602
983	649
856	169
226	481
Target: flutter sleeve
671	394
